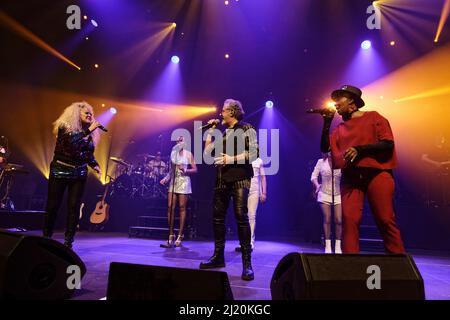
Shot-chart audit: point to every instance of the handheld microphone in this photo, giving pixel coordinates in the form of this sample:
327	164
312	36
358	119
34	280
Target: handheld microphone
322	111
102	128
210	125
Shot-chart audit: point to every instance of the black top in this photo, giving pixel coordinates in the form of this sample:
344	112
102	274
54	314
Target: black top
72	154
241	138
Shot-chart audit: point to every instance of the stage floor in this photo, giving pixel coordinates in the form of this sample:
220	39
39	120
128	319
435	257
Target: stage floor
99	249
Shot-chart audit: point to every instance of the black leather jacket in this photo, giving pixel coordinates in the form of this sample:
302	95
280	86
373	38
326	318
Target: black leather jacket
243	134
72	155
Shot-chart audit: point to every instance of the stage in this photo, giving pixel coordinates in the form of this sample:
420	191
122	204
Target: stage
97	250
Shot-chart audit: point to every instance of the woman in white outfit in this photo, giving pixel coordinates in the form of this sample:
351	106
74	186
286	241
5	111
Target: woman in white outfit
179	189
323	192
257	193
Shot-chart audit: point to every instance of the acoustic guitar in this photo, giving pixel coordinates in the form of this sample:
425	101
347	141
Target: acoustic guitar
101	211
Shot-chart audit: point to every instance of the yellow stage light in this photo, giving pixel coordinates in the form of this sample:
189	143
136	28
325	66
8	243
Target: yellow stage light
444	15
330	104
28	35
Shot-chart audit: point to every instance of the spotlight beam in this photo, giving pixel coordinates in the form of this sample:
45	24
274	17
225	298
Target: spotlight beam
427	94
443	19
28	35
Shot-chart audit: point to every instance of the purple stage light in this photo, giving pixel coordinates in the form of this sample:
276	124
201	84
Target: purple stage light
366	44
269	104
175	59
113	110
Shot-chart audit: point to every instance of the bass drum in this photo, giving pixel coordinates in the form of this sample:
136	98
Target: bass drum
123	185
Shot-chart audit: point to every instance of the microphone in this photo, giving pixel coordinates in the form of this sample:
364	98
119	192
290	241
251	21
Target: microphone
210	125
102	128
322	111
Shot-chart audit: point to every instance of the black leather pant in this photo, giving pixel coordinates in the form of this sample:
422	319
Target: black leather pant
56	189
222	198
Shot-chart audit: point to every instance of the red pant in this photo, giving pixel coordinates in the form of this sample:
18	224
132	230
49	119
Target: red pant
379	186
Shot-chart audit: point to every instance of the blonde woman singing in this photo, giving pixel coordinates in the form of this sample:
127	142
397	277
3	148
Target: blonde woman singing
76	137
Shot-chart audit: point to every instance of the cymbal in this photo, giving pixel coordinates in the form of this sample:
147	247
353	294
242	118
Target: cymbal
15	168
120	161
145	155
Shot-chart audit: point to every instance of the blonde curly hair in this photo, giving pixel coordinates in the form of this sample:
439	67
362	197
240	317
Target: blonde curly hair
70	119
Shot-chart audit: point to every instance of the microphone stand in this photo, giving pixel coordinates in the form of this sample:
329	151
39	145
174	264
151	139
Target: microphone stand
172	205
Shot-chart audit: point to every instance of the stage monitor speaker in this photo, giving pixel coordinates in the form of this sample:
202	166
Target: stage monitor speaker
145	282
33	267
302	276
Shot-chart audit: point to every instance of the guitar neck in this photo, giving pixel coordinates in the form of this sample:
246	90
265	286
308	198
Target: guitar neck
104	194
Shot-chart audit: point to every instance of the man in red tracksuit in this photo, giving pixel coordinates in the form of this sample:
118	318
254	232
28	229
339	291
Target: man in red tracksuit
362	146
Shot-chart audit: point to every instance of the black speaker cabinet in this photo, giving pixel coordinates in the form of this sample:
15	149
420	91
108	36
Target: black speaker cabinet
301	276
33	267
145	282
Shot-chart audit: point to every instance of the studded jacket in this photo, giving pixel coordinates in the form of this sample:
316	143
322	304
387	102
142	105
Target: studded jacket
74	151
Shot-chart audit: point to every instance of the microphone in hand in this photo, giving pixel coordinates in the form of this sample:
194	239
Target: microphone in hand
211	123
325	112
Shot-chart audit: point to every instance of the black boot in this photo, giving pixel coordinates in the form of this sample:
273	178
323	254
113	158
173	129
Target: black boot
216	261
247	270
68	243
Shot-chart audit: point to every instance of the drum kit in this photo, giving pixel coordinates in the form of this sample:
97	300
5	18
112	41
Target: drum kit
140	180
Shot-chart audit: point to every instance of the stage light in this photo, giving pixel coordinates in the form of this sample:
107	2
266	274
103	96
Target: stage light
85	17
392	43
96	66
444	16
226	2
103	105
269	104
174	25
87	38
366	44
175	59
227	56
330	104
94	23
113	110
28	35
